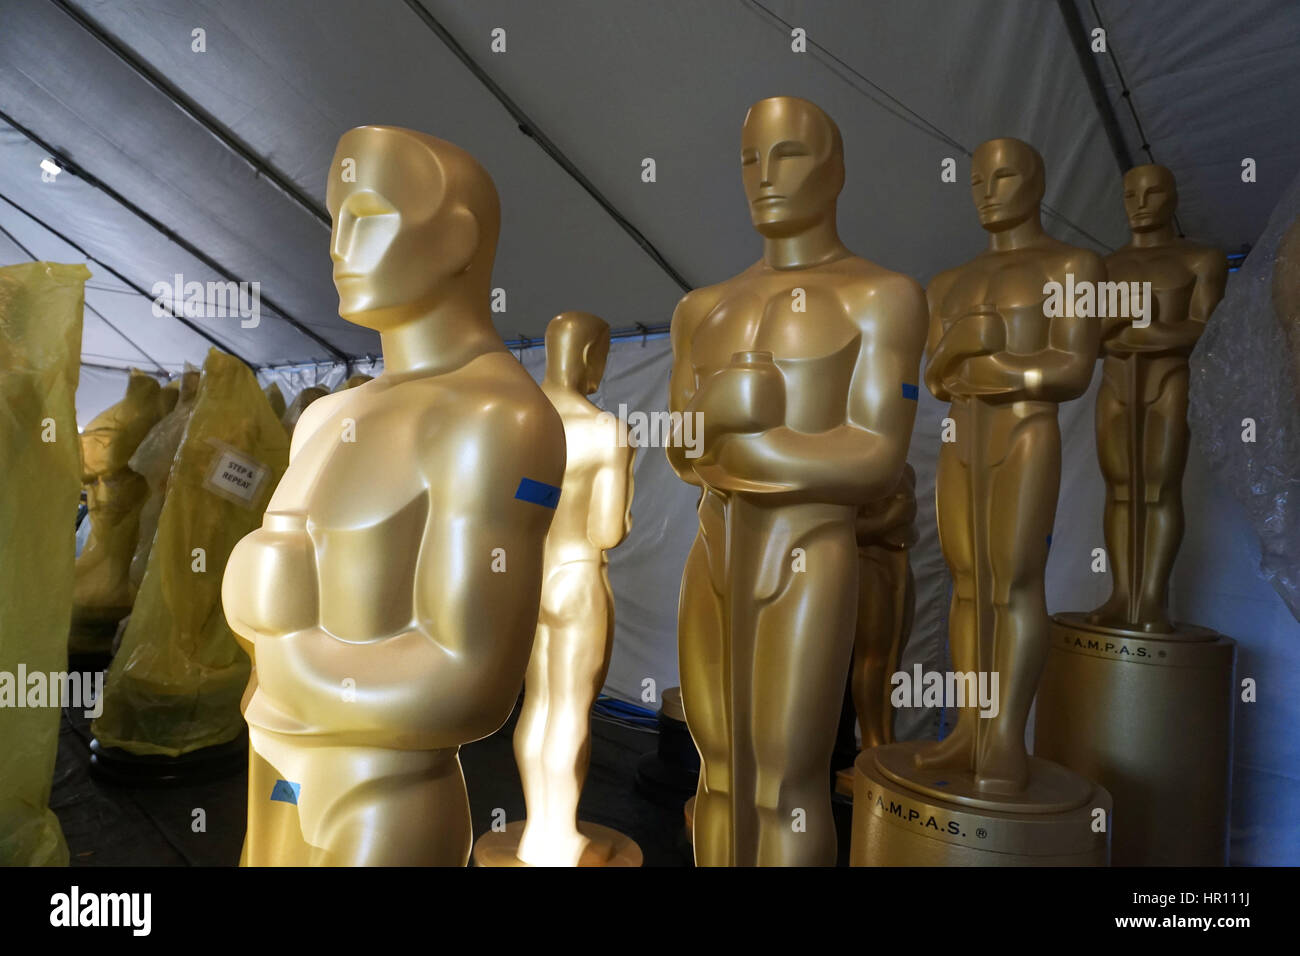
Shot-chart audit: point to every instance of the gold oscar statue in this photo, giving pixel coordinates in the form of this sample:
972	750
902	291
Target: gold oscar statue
886	599
1130	699
390	597
1142	406
115	494
1005	362
802	371
576	623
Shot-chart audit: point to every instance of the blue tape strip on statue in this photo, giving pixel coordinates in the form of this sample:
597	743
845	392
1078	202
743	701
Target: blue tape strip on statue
910	391
538	493
286	792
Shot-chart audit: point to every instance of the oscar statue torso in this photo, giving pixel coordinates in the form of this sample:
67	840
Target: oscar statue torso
885	532
364	598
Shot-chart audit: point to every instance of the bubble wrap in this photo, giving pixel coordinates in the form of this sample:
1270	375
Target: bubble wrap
1245	367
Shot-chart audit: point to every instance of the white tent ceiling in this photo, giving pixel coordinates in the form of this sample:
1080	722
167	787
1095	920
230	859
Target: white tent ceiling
165	143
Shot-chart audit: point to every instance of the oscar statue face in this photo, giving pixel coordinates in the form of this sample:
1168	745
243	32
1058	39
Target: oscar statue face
1150	197
1006	183
402	233
597	353
792	166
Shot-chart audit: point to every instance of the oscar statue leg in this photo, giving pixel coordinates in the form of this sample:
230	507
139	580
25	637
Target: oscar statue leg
902	597
802	653
414	814
577	663
953	502
702	661
325	805
1024	490
274	836
530	731
871	645
884	620
1164	459
1113	441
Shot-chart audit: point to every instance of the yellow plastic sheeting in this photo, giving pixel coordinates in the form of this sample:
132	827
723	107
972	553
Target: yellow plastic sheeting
102	592
175	683
40	482
169	395
153	460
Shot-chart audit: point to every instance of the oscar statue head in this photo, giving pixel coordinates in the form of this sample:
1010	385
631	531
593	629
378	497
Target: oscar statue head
792	163
577	344
1006	183
416	221
1150	197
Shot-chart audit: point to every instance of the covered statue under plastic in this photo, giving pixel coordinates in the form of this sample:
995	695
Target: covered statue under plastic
40	359
176	681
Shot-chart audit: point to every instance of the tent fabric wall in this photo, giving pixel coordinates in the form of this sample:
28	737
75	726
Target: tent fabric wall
97	390
292	379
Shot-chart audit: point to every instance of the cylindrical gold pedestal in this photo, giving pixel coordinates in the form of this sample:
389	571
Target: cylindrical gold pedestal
897	823
1149	717
497	848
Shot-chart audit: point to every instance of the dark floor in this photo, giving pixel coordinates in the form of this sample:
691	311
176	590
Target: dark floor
108	825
